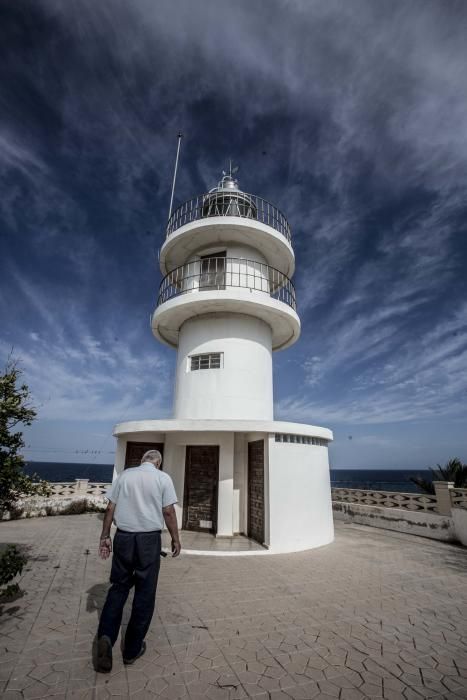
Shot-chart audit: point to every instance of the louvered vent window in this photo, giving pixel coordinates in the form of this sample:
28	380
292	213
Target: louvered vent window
213	360
301	439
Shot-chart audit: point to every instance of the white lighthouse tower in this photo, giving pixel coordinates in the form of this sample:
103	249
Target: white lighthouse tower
226	303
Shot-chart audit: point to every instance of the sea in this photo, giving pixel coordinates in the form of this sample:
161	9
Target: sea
377	479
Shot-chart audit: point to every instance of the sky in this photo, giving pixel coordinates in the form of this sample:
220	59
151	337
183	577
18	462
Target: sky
350	116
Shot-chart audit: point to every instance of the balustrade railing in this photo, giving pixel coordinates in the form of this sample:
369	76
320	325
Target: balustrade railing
387	499
234	203
459	498
219	273
63	489
79	487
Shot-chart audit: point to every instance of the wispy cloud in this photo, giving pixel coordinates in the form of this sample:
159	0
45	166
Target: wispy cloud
79	372
380	375
349	116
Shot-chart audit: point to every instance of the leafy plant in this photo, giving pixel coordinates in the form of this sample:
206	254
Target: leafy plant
77	508
15	410
12	562
453	471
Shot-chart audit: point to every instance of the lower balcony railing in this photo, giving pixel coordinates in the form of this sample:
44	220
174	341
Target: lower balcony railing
220	273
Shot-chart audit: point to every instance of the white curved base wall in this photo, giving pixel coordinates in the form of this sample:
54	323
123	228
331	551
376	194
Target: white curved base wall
297	491
299	497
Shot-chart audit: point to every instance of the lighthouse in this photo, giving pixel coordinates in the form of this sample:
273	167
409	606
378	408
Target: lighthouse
226	303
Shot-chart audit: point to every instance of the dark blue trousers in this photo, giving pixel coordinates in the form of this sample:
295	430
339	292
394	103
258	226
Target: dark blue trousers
136	562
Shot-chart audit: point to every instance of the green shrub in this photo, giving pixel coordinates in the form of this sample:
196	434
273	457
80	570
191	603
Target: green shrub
453	471
77	508
12	562
15	410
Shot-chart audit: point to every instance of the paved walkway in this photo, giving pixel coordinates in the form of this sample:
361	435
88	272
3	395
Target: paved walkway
376	614
204	542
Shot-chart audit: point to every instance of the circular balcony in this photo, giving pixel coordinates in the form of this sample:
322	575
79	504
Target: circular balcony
227	285
222	217
233	203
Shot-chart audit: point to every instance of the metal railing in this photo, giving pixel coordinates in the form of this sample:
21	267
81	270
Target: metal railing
218	273
236	203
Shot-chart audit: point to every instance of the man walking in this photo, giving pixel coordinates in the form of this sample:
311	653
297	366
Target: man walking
140	500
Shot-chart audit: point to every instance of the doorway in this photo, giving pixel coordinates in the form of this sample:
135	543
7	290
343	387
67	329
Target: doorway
201	487
135	451
256	490
212	274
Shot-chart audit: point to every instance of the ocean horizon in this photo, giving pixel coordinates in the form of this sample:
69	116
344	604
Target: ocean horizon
396	479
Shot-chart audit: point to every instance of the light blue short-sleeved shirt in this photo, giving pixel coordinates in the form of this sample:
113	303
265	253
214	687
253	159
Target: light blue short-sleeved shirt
139	494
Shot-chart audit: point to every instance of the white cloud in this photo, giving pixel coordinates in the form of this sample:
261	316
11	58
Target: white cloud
93	381
76	372
368	155
425	377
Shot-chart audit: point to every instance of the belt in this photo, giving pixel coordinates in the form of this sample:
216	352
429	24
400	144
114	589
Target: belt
140	532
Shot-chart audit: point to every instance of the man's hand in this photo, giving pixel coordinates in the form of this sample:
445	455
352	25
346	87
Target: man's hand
170	518
105	543
105	547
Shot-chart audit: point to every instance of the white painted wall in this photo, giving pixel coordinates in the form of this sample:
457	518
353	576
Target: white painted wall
174	465
242	388
300	506
226	486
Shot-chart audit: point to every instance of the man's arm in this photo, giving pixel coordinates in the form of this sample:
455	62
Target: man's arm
170	518
105	543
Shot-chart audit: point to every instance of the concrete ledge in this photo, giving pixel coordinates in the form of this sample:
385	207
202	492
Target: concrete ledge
171	425
170	315
191	237
431	525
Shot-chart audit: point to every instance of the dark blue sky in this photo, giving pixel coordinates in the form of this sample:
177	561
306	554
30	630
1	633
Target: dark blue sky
349	116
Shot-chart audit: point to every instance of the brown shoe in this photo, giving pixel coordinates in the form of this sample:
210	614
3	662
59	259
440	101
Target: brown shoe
104	654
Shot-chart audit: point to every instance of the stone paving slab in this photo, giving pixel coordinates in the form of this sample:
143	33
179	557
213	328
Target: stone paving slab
377	614
205	542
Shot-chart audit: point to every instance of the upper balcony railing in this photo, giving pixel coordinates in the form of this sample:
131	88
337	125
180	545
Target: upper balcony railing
221	273
229	203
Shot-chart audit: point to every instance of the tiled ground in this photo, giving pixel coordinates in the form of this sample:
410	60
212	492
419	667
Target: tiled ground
204	542
375	615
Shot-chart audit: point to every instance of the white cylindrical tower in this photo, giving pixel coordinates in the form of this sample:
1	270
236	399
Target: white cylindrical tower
241	346
226	302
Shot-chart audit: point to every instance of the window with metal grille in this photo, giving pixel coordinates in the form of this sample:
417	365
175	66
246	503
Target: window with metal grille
212	360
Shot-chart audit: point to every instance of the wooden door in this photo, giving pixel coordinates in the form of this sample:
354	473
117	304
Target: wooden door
201	486
136	450
256	490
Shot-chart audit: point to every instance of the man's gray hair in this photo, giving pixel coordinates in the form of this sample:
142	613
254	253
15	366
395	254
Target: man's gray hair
152	456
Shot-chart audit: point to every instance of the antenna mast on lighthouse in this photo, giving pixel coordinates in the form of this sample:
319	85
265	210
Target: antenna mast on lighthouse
180	136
